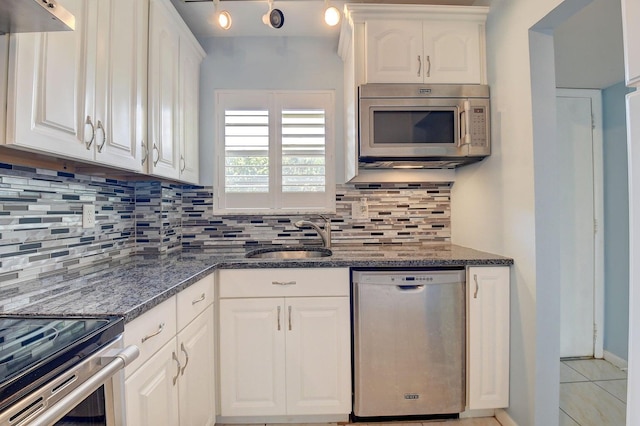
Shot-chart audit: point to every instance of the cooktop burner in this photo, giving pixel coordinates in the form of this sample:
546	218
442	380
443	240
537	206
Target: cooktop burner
33	350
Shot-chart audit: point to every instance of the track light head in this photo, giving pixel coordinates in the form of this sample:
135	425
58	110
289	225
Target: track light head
332	16
224	20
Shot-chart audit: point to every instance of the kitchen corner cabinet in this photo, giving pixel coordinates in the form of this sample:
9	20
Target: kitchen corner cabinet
284	342
174	74
82	94
173	380
424	51
487	337
631	38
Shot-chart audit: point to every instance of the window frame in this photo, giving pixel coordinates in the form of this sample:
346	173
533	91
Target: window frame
275	201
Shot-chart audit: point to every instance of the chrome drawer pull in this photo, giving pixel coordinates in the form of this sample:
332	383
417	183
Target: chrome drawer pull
202	297
289	317
283	282
160	329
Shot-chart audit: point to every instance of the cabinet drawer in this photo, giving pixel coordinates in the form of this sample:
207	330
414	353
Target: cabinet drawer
281	282
150	331
193	300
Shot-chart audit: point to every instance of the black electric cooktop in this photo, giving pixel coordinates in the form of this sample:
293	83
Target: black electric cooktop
34	349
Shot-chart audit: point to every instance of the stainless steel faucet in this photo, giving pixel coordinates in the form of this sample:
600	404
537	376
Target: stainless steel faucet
325	232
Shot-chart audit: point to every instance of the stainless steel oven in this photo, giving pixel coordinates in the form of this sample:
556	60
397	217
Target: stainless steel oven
422	123
62	371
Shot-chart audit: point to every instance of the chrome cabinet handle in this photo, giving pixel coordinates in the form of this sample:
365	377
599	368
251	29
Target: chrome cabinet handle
289	317
93	132
99	126
428	66
186	355
419	65
149	336
279	318
475	279
182	163
156	150
175	358
283	282
198	300
146	152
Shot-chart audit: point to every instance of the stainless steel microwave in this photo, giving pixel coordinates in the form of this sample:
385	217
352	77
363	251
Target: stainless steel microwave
438	125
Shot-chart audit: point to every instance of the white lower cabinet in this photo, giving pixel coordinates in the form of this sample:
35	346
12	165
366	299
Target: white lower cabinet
150	394
175	384
487	337
285	355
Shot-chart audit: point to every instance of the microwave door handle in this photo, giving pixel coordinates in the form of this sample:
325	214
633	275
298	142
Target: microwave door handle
465	138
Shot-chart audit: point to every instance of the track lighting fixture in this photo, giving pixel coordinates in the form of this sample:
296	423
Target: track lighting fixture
331	14
274	18
223	18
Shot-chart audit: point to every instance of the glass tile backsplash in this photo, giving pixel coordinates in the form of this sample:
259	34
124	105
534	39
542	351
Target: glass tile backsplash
41	229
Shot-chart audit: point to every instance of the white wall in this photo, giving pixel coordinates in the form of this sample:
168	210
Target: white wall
292	63
505	203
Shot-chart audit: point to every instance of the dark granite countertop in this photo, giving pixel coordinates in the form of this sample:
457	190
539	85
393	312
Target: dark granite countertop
132	286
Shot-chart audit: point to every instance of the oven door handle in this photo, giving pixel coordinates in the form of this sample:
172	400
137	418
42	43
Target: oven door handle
117	362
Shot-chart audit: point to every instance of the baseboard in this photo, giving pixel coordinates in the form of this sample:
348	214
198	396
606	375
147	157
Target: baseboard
616	360
467	414
503	417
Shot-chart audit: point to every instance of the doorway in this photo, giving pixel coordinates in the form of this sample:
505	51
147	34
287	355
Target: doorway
580	215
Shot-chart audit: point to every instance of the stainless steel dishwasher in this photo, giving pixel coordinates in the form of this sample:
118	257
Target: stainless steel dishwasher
409	342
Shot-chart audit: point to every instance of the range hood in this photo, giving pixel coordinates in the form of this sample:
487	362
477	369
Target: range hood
27	16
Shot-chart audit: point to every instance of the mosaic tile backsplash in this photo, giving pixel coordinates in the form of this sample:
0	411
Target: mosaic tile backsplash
41	220
398	214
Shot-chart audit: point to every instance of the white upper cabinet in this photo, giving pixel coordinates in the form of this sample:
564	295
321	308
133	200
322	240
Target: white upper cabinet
81	94
164	51
174	74
631	37
48	101
424	51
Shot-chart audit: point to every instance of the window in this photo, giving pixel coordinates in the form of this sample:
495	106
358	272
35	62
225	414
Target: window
274	152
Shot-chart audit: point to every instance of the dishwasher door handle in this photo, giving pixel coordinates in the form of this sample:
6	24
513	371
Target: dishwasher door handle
410	287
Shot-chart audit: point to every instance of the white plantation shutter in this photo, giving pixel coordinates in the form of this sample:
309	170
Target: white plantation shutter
275	152
303	150
246	151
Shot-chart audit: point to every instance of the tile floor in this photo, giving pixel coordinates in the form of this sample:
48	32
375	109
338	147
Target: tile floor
593	392
482	421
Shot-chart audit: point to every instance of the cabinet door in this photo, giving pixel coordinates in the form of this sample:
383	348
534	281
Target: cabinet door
488	337
394	52
631	32
197	380
50	87
121	82
164	48
452	52
252	357
318	355
189	86
151	397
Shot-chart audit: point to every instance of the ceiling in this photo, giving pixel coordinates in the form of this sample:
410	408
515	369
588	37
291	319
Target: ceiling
588	46
301	17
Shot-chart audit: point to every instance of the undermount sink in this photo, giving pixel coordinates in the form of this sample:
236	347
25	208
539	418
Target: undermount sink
289	253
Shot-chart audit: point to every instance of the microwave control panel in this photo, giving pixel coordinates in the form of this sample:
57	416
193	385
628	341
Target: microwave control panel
478	128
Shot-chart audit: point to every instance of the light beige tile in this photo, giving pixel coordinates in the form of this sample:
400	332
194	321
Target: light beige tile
479	421
569	375
597	369
565	420
617	388
590	405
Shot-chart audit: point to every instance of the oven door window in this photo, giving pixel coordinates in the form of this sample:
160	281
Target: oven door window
90	412
414	127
